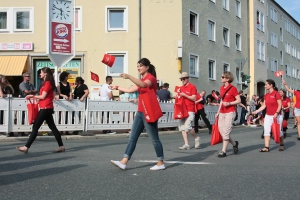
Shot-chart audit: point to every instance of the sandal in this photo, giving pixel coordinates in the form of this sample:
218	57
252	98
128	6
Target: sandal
281	147
265	149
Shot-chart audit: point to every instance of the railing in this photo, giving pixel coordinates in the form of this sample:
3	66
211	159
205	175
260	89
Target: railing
90	116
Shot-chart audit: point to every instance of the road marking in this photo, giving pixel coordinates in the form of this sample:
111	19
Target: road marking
177	162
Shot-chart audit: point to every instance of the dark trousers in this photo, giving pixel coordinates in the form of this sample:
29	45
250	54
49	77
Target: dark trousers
201	113
44	114
243	115
286	116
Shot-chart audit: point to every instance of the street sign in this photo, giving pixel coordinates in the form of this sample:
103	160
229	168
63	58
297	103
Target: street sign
60	32
240	62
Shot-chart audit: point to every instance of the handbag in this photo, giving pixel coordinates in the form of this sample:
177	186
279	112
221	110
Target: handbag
276	131
33	110
180	109
150	106
215	134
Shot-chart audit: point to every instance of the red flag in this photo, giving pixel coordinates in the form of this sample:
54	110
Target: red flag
215	96
94	77
177	89
277	74
280	72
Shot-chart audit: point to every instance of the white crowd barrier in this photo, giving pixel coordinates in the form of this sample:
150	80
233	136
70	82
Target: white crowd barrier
86	116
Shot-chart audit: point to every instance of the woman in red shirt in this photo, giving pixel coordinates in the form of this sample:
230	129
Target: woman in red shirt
286	104
272	103
46	110
226	113
148	74
296	105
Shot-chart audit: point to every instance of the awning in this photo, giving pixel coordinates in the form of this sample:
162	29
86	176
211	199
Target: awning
12	65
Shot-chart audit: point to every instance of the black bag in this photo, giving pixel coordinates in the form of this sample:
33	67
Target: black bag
236	114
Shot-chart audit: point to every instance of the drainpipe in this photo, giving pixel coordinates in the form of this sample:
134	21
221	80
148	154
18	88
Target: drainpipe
140	32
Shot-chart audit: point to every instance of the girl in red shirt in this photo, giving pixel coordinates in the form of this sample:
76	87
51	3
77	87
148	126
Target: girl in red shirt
148	74
286	104
272	103
46	110
296	105
226	113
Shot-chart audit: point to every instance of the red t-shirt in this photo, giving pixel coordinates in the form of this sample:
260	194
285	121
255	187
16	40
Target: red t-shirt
189	89
199	106
153	81
48	101
297	94
285	104
229	97
271	102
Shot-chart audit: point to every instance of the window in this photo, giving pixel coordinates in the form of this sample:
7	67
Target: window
212	69
225	4
225	37
258	49
293	72
211	30
298	35
214	1
78	19
260	20
287	48
238	74
238	42
3	21
273	14
274	66
262	1
262	51
298	54
238	8
117	18
23	19
281	36
120	64
274	41
194	67
288	70
281	17
281	57
292	29
226	67
193	23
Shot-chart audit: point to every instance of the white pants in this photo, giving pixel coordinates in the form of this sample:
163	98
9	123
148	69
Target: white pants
268	123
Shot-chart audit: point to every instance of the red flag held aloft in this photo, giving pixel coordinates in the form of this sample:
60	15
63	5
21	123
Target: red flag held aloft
215	96
277	74
280	73
94	77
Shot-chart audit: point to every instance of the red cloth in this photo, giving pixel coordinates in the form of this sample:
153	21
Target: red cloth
180	110
94	77
285	104
229	97
297	94
33	110
271	102
152	79
199	106
48	101
215	134
276	131
189	89
150	106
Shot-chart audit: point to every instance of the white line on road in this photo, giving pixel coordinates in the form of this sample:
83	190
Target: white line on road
177	162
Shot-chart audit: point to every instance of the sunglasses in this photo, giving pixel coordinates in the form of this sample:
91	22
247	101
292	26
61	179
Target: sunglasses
223	77
183	79
27	76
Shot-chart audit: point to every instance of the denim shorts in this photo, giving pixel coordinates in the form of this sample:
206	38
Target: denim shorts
297	112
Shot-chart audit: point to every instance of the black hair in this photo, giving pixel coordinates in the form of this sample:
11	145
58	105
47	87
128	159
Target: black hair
166	85
49	76
108	78
276	88
271	82
63	75
213	91
146	62
284	94
79	80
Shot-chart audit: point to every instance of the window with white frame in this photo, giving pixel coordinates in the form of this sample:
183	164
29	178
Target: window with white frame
293	72
292	29
287	48
238	42
298	35
3	20
281	34
262	51
214	1
238	8
211	30
274	65
274	41
298	54
193	23
288	70
78	18
120	64
258	49
194	67
260	20
298	74
281	57
226	67
117	18
273	14
225	4
21	19
211	69
288	26
225	36
294	51
281	17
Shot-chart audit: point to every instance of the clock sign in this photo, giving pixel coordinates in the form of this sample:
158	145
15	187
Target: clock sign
61	10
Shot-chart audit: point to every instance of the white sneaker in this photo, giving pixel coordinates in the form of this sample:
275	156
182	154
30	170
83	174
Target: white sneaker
118	164
155	168
197	143
112	133
185	147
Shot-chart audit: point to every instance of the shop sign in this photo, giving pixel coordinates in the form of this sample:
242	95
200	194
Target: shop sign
16	46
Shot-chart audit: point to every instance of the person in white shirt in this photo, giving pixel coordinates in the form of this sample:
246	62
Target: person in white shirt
106	93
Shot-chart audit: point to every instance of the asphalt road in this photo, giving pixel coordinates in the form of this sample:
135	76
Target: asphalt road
84	171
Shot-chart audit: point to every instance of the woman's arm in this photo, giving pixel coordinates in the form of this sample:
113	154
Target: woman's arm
262	107
134	88
71	95
136	81
287	87
86	92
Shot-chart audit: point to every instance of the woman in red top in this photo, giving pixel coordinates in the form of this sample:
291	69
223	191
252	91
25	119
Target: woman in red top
286	104
272	103
148	74
226	113
296	106
46	110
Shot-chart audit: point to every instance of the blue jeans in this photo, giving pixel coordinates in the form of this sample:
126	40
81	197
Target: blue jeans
243	115
138	126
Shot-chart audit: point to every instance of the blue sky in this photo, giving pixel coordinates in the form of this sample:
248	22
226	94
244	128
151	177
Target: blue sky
292	7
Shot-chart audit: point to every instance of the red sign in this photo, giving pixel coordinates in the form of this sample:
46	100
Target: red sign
61	38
